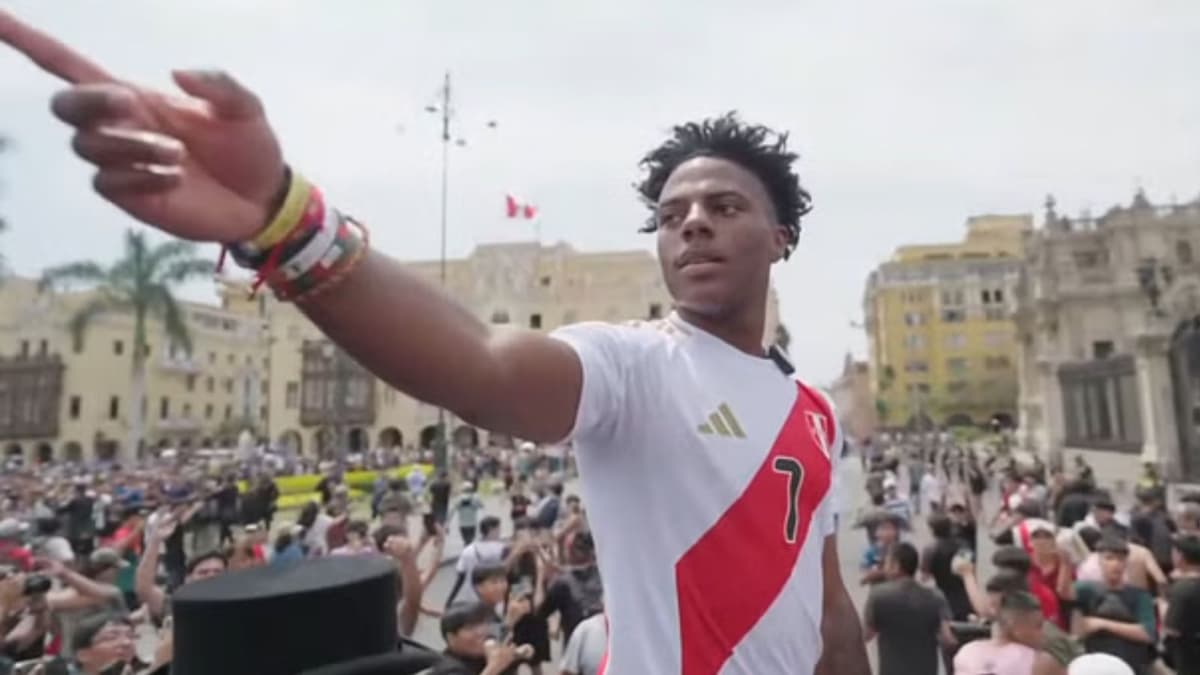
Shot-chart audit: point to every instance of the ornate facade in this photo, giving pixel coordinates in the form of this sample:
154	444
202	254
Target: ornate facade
1108	311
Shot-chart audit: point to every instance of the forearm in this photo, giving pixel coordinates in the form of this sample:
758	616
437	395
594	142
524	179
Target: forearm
844	652
410	604
1134	632
423	343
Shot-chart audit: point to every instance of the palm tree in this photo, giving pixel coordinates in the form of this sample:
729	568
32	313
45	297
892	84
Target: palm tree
141	284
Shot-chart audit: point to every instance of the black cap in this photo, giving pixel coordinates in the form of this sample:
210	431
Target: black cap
283	620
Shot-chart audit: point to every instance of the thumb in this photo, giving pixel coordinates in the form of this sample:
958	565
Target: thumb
228	97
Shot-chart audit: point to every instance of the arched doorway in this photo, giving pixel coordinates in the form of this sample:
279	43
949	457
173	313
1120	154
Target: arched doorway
44	453
357	440
291	442
390	437
430	436
73	452
921	422
959	420
323	442
466	436
14	450
1002	420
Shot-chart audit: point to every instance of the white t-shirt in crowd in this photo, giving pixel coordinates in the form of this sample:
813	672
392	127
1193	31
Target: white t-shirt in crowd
707	475
584	652
478	552
989	657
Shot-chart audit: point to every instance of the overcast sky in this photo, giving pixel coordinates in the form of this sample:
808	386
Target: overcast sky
910	115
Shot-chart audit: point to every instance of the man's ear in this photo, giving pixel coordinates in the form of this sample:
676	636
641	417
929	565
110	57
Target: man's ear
779	243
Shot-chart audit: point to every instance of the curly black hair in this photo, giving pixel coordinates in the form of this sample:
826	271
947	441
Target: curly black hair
754	147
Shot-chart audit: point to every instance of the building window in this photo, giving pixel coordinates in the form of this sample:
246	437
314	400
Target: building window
212	358
997	363
916	367
655	310
292	397
1100	404
914	319
74	407
1183	252
955	340
986	297
957	366
953	316
209	384
265	388
43	348
164	408
994	313
914	342
956	387
208	411
228	412
1102	349
229	385
998	296
24	348
187	410
191	383
499	316
545	281
918	388
262	413
1086	260
535	320
952	298
118	347
114	407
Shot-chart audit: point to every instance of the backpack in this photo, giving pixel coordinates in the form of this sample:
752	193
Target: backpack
586	589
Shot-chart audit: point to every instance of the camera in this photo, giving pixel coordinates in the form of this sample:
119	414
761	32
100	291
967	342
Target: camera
37	584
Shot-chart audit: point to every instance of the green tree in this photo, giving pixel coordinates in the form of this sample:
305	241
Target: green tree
139	284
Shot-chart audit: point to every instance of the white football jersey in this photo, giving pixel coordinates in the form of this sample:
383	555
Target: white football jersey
707	475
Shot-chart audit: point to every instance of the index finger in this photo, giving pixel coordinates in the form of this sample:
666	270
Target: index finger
48	53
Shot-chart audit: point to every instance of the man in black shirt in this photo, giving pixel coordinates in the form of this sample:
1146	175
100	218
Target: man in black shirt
1182	623
908	618
936	563
439	497
471	648
577	593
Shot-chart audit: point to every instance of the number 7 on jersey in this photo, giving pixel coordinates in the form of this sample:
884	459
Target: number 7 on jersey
794	470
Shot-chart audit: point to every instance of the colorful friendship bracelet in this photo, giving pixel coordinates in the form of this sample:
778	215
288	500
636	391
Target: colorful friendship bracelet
314	247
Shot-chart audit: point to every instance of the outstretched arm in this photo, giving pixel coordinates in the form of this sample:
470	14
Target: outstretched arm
844	652
208	167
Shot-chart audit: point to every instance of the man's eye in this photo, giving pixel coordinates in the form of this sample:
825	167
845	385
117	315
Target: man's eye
728	209
667	219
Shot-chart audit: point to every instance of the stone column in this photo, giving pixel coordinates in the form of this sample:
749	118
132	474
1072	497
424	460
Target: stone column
1052	433
1160	440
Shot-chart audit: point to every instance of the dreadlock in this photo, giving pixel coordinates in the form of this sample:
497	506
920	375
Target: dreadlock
753	147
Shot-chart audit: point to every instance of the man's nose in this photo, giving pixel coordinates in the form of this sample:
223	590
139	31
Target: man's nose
697	222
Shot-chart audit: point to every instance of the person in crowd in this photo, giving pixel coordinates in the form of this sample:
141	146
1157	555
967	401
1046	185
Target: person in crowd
439	497
1181	625
909	619
471	646
358	541
584	652
937	565
887	534
489	549
1018	623
466	510
1111	616
577	593
202	566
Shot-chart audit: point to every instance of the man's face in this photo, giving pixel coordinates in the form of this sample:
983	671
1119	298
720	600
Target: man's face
207	569
469	640
717	236
1103	515
1026	628
1113	566
1043	542
493	590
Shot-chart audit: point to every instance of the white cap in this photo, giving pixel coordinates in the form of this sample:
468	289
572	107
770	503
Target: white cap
1099	664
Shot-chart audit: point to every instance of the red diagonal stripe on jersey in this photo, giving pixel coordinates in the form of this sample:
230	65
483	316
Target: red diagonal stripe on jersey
729	578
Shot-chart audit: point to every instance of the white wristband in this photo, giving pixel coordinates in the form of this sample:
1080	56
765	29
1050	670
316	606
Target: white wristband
315	250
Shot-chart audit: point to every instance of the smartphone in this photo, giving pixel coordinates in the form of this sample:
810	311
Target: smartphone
430	524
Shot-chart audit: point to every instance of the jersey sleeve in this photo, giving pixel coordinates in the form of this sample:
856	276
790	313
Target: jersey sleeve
603	353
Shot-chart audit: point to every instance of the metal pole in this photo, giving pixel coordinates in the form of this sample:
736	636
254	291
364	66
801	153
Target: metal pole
441	453
340	392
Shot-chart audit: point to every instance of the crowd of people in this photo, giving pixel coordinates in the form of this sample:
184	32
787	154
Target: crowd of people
91	556
1078	582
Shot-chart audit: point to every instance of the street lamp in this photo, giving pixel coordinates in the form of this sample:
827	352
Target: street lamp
445	109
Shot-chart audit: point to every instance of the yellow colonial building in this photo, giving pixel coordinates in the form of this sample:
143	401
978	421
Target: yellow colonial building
939	321
259	364
62	402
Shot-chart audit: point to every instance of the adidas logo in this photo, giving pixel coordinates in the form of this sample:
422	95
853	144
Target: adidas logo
722	423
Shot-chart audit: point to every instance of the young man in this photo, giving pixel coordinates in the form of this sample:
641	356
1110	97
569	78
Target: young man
749	450
1006	652
1182	622
1113	617
909	619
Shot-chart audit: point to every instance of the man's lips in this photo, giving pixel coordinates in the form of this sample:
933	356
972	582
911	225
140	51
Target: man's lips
688	259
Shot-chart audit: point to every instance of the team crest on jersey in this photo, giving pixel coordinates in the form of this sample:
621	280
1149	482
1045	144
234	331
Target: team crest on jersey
818	426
